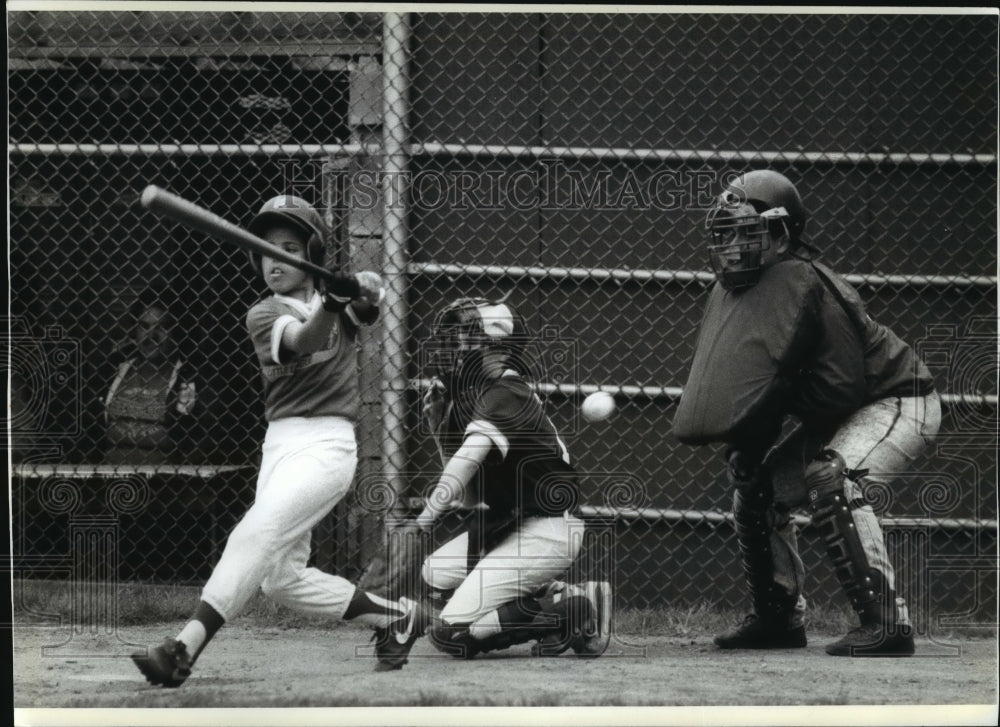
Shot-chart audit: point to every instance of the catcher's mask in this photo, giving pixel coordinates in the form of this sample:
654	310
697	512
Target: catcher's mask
293	212
467	329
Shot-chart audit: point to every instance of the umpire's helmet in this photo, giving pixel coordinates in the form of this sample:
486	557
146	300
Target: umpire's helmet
752	205
768	190
468	327
295	212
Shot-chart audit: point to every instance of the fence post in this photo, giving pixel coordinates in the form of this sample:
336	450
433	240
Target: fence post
395	136
359	528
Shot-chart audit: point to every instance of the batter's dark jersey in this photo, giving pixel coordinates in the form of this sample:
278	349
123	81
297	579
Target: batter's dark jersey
527	472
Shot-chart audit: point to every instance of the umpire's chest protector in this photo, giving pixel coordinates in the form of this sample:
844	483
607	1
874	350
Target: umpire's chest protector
745	340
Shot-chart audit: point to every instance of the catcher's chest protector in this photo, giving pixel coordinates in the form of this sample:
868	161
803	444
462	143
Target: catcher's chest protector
746	341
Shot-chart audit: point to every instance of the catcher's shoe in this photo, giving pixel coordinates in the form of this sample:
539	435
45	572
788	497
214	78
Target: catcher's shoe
167	664
558	618
874	640
393	643
755	633
585	614
596	634
455	641
551	645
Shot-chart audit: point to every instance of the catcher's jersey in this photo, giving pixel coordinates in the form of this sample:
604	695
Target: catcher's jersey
528	469
323	383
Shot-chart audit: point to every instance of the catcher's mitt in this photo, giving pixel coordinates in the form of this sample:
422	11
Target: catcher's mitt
395	571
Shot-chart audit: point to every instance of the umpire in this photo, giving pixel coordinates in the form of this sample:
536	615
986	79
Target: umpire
784	336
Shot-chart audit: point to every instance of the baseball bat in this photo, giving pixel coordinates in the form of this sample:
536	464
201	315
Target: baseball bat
198	218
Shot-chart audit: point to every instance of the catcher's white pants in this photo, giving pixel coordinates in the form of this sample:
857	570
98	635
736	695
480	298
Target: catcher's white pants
541	549
884	437
307	466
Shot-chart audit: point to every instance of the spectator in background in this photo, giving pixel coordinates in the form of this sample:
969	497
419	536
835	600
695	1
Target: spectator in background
152	406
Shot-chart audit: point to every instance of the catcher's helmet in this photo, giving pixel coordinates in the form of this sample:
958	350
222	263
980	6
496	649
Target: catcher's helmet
752	205
295	212
467	328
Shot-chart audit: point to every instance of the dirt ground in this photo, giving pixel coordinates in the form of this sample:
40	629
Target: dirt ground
250	667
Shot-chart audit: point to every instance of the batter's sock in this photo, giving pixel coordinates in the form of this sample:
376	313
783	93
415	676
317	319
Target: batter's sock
373	610
200	629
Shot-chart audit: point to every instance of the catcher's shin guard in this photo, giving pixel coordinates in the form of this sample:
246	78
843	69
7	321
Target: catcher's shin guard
866	587
520	621
753	513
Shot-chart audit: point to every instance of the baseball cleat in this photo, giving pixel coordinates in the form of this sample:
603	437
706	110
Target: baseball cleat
393	643
167	664
562	595
755	633
585	612
551	645
596	634
874	640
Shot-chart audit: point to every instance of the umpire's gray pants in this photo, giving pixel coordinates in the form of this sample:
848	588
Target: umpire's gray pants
884	437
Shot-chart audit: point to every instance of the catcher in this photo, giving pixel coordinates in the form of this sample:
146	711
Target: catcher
503	454
784	336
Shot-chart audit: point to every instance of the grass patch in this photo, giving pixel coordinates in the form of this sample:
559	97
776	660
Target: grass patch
40	602
682	621
137	604
706	617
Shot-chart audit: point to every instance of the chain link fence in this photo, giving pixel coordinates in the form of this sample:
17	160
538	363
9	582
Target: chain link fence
563	160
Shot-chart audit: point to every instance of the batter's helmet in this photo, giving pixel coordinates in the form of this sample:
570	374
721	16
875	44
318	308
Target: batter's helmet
295	212
751	206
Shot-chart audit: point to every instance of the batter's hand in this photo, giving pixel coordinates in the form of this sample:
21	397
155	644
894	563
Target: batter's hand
372	290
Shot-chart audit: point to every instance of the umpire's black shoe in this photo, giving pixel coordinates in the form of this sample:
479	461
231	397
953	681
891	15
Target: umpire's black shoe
393	643
168	664
874	640
755	633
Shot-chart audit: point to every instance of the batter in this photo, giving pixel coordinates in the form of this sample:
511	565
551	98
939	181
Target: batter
306	345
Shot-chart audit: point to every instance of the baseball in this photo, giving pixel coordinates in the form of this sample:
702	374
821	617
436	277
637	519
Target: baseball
598	406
